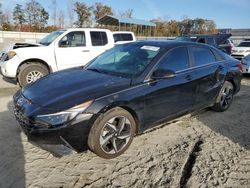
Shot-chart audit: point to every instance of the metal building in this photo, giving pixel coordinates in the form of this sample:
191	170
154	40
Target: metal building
138	26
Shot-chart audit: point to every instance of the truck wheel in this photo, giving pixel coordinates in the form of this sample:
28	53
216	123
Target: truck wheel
225	97
29	73
112	133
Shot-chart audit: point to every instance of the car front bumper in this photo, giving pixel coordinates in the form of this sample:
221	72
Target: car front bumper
9	67
73	134
246	68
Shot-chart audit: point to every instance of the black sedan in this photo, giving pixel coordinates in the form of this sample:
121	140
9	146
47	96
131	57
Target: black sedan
125	91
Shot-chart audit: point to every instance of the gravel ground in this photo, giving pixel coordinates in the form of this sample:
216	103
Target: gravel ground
7	83
208	149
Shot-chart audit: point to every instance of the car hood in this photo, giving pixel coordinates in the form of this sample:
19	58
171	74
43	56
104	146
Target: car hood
25	45
65	89
247	58
13	46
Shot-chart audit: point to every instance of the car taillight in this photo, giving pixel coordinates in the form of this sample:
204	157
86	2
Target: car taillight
240	67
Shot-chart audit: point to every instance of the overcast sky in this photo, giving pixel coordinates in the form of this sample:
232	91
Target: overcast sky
225	13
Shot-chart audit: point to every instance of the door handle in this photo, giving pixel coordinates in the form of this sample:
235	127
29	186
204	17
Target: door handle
189	77
85	50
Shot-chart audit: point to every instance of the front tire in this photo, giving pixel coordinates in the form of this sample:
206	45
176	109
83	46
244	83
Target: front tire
30	72
225	97
112	133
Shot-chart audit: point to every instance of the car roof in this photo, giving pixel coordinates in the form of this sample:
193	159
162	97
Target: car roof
86	29
122	32
168	43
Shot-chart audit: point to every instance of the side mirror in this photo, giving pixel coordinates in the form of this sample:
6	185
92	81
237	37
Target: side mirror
163	74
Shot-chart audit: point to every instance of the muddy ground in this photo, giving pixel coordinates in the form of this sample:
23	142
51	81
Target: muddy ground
209	149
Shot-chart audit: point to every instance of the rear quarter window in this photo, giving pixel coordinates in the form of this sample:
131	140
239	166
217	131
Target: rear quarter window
123	37
202	56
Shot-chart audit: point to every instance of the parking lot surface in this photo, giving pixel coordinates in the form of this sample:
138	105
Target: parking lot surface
208	149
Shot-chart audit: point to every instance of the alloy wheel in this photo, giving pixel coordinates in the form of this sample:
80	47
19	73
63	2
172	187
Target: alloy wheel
226	97
33	76
115	134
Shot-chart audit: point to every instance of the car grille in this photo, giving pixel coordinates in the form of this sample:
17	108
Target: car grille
24	122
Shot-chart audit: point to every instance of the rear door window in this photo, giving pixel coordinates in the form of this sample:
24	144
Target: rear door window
98	38
202	56
176	60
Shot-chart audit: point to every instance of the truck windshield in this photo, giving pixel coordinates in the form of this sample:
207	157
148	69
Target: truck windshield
186	38
51	37
124	60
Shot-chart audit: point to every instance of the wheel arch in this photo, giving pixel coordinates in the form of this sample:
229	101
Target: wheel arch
125	106
34	60
231	80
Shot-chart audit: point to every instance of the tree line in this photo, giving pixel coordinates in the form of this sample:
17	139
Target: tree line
33	17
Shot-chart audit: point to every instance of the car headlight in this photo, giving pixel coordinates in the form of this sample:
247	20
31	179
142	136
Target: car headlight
247	50
244	62
11	54
62	117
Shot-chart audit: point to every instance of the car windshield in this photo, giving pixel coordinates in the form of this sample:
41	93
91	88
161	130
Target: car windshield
51	37
124	60
244	44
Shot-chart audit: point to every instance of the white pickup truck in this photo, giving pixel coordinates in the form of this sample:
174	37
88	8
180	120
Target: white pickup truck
59	50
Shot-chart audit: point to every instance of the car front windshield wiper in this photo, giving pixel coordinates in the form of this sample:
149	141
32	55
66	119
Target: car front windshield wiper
96	70
108	72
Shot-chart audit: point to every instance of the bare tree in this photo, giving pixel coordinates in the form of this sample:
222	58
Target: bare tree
127	13
1	16
36	14
5	24
70	8
54	11
61	19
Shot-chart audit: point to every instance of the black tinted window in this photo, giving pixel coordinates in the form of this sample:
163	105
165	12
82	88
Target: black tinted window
175	60
201	40
202	56
210	41
123	37
98	38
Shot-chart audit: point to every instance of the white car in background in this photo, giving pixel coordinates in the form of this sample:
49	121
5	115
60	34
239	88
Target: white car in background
246	64
242	50
59	50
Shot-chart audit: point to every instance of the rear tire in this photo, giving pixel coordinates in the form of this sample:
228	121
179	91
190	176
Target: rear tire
225	97
30	72
112	133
